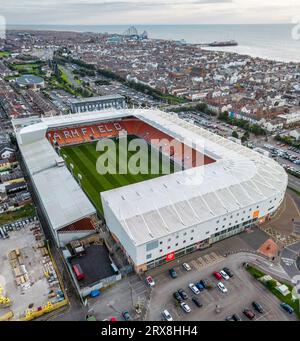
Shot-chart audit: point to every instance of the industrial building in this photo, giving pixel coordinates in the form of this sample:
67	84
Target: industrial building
97	103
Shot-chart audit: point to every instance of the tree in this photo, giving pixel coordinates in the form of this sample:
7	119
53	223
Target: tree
245	137
235	134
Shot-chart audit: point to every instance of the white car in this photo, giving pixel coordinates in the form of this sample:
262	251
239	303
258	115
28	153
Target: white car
185	307
194	289
222	287
187	267
167	316
150	281
224	275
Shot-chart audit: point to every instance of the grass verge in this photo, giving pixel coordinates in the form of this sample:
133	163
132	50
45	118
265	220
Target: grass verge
22	213
271	286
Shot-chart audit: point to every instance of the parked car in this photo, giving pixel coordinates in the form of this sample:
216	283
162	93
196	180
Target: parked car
199	286
229	318
217	275
183	294
197	302
126	315
287	308
167	316
236	317
228	271
258	307
177	297
194	289
205	283
222	287
173	273
249	313
186	266
224	275
185	307
150	281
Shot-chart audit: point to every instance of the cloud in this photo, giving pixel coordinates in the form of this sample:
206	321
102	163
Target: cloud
97	12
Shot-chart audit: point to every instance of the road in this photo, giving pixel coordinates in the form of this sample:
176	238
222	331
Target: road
289	260
294	182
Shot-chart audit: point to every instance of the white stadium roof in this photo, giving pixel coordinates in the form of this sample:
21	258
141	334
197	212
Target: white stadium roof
240	177
155	208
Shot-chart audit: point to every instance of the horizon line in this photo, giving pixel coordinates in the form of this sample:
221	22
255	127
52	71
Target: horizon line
126	24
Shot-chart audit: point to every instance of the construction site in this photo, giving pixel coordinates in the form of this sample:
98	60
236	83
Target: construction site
29	281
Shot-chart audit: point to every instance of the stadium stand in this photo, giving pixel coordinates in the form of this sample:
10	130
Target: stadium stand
180	153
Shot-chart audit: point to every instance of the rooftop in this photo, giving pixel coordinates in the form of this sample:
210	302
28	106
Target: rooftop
95	99
30	80
63	199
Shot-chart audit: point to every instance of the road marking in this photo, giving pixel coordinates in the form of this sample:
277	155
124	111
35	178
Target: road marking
293	251
206	260
264	316
288	261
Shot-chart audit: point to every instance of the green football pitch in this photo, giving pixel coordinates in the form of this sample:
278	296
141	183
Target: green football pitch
84	159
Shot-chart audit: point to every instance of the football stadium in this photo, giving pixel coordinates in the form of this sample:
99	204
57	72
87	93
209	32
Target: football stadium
204	188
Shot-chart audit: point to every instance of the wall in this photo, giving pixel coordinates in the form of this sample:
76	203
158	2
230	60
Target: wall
66	237
235	222
116	228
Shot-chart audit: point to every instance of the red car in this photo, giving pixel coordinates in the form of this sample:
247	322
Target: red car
217	275
150	281
249	313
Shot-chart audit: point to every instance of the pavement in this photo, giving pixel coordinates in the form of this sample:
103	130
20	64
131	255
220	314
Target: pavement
290	260
283	221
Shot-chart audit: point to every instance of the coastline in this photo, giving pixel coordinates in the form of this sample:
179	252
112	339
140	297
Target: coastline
277	53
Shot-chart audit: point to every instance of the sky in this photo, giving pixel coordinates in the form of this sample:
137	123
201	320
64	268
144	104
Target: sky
104	12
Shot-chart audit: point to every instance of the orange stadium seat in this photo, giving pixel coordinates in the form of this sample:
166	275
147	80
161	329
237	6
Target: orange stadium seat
133	126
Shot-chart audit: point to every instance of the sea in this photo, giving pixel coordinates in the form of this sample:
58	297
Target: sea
280	42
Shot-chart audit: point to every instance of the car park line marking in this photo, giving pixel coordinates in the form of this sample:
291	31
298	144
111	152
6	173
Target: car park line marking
288	261
206	260
210	296
293	251
264	315
196	265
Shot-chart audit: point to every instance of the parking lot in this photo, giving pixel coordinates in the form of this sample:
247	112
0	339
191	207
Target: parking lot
242	291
